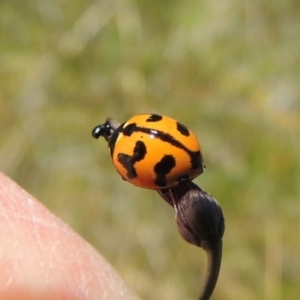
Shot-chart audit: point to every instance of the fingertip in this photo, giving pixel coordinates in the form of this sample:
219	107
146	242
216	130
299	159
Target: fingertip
43	258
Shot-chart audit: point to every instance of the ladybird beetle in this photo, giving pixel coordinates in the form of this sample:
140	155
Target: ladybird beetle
152	151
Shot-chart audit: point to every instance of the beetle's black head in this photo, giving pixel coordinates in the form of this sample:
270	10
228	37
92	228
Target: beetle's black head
106	130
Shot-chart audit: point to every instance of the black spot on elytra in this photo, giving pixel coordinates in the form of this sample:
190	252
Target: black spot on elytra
195	156
154	118
128	161
182	129
196	160
163	168
129	129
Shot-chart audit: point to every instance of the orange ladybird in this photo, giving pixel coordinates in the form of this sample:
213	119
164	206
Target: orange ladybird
152	151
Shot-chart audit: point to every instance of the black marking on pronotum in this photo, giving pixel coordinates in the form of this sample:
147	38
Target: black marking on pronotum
128	161
182	129
195	156
154	118
162	168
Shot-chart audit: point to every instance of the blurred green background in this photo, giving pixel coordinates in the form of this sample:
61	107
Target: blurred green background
229	70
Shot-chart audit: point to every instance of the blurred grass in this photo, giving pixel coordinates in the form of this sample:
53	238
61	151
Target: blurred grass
229	70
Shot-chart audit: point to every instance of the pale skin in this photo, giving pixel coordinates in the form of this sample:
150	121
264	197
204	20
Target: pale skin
42	258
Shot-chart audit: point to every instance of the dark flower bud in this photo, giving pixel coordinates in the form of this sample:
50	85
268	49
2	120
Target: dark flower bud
200	222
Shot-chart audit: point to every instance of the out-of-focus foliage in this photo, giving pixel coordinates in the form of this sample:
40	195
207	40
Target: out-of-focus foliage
230	70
